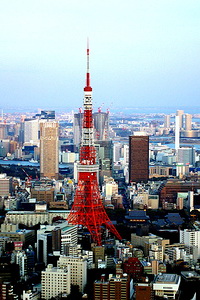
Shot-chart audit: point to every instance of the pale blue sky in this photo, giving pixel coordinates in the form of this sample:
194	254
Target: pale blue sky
143	53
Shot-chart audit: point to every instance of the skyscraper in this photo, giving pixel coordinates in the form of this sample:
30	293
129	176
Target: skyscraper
138	158
186	155
31	129
180	113
105	158
101	126
77	128
177	132
188	122
49	149
167	121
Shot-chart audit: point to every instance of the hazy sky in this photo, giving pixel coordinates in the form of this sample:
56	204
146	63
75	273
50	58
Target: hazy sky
143	52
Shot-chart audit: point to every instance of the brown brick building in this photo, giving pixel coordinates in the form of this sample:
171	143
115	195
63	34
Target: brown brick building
133	267
138	158
144	291
115	288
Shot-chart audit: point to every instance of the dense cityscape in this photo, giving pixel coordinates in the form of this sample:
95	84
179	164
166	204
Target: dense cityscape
148	176
99	194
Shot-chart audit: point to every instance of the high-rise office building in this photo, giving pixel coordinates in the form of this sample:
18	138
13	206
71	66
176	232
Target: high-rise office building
177	132
6	187
31	131
31	127
44	246
117	149
3	131
186	155
49	149
104	158
180	113
4	147
101	126
138	158
167	121
77	128
188	122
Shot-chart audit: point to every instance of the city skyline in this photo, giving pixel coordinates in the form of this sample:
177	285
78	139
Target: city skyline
142	54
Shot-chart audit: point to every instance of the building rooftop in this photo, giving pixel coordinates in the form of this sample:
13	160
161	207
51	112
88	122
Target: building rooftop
166	278
50	268
190	275
137	215
174	218
22	212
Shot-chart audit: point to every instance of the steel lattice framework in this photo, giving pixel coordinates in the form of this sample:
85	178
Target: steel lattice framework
88	209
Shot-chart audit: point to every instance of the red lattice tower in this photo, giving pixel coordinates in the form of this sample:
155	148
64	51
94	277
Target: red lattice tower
88	209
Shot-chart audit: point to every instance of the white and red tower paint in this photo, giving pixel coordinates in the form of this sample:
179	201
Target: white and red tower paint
88	209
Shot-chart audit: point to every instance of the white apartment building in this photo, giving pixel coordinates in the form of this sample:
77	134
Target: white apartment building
156	251
55	281
78	269
109	188
31	295
191	237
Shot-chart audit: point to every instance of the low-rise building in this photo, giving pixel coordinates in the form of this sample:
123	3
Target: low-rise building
31	295
31	218
13	232
166	285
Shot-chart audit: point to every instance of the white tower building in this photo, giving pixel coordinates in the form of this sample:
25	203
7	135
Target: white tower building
167	121
188	122
177	132
190	200
180	113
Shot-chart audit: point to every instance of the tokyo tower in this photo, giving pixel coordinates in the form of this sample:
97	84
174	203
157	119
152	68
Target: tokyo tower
88	209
